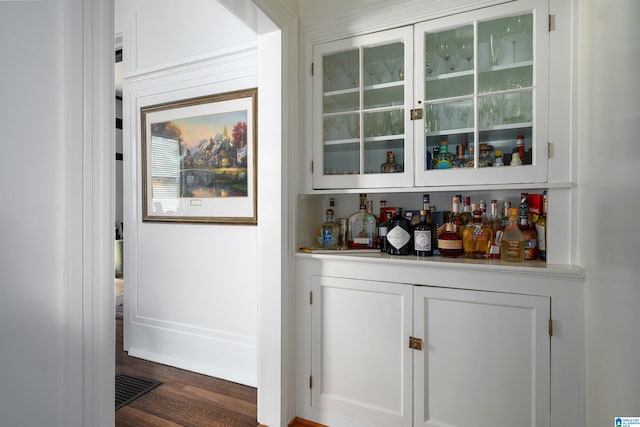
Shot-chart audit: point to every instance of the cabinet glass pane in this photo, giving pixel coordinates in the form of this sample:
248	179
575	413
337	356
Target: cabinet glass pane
496	87
363	109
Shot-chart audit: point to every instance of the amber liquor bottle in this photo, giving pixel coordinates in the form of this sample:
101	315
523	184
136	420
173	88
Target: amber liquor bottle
476	237
363	230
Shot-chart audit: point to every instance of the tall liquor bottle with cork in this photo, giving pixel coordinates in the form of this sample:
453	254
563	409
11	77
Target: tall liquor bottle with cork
363	231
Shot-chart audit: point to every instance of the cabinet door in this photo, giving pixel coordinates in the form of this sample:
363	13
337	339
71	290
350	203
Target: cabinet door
362	92
482	81
485	359
361	361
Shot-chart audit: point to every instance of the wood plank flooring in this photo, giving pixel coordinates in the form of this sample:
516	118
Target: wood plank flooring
184	399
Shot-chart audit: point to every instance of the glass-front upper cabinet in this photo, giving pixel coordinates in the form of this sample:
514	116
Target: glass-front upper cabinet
362	95
481	82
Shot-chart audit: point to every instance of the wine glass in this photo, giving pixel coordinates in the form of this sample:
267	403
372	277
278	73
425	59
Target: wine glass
513	31
353	126
466	49
350	66
494	44
392	64
428	61
463	113
448	112
446	48
329	68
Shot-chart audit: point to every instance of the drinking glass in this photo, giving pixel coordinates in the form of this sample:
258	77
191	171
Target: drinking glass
513	31
463	113
393	65
353	126
466	49
494	44
448	112
446	48
329	68
350	66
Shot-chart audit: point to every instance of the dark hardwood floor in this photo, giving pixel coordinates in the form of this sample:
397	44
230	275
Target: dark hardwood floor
184	398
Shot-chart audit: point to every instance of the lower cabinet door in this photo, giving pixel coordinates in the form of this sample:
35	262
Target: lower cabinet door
485	360
361	361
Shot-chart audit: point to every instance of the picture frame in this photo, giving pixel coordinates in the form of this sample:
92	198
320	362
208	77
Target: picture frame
199	159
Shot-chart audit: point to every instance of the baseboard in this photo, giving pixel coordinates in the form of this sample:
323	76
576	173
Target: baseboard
227	359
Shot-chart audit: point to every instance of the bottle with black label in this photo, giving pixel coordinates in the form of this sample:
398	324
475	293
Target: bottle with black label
399	235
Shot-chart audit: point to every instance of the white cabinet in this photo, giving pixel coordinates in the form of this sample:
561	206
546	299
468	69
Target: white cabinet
361	364
363	90
476	80
484	358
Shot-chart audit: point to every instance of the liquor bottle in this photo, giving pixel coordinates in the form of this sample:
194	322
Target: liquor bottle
497	223
342	240
399	235
330	231
423	235
426	202
529	232
512	246
444	159
363	231
541	229
467	214
390	166
476	237
456	210
449	243
383	229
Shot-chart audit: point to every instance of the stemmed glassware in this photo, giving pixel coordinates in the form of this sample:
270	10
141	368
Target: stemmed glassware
392	64
446	48
463	113
328	68
513	31
466	49
350	66
448	112
428	61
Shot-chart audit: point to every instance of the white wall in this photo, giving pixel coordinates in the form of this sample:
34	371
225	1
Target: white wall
191	290
56	259
33	258
609	202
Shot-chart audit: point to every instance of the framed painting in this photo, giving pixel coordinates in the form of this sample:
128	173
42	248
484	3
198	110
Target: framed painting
199	159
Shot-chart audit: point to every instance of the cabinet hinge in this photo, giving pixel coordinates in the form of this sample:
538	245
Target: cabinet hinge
311	166
312	69
548	150
310	381
415	343
550	327
551	23
311	298
416	114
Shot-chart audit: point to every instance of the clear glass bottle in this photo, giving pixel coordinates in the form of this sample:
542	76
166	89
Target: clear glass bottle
476	237
399	235
497	224
342	241
541	229
423	235
444	159
391	166
363	230
330	231
512	246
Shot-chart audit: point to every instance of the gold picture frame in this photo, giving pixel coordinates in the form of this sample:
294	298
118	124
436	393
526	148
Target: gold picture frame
199	159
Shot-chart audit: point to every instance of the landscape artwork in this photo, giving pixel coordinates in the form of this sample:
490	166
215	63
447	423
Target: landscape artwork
199	159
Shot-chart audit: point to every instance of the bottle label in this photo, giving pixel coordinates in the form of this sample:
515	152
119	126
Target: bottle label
382	231
398	237
449	244
443	164
422	240
327	237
